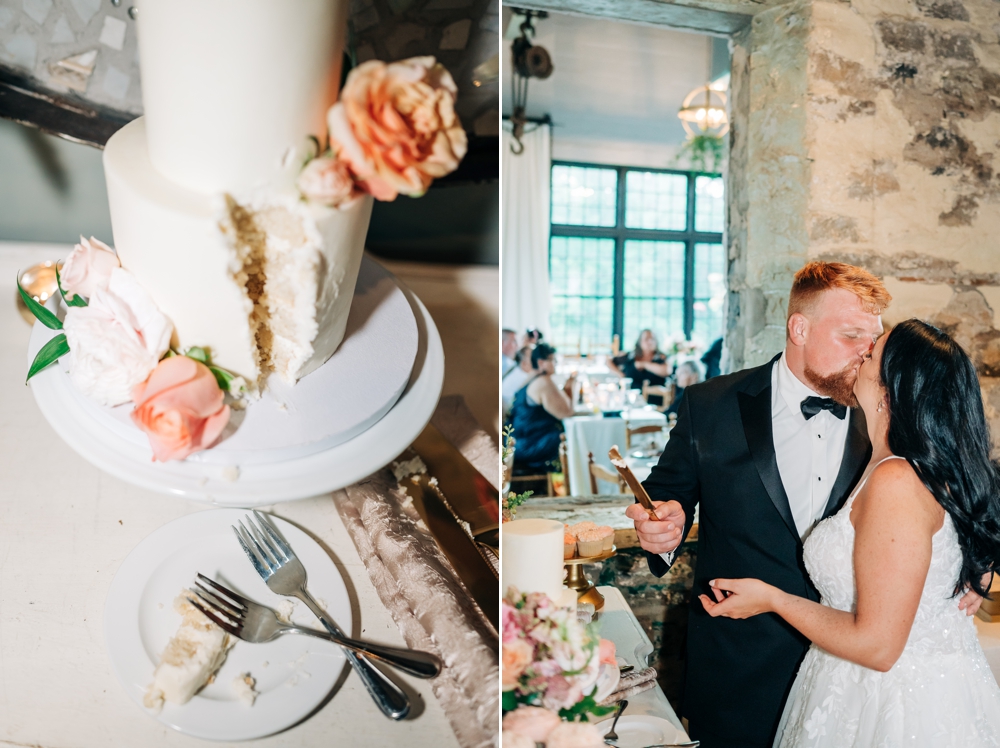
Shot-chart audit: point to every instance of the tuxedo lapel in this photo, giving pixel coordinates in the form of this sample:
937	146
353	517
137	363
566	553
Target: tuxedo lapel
755	412
857	452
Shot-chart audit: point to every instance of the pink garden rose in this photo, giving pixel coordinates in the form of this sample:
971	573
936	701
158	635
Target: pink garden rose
532	722
327	180
607	652
575	735
517	655
88	268
395	126
116	341
180	408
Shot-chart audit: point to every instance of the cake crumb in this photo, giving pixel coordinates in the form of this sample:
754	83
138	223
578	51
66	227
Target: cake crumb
265	663
285	610
231	473
404	468
243	687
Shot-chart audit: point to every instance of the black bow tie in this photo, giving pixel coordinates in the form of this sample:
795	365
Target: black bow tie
813	405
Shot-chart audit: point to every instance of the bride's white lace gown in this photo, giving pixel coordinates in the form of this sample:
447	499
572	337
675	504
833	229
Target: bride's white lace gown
939	693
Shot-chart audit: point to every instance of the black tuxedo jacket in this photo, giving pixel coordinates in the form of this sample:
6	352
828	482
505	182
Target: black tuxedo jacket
721	455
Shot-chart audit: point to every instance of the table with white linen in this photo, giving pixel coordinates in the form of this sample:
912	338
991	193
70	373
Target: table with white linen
65	528
598	434
619	624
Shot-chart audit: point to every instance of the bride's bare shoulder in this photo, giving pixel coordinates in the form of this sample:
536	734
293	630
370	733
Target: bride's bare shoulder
894	490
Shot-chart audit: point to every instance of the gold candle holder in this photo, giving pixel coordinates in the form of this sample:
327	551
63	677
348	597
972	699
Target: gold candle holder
577	579
39	282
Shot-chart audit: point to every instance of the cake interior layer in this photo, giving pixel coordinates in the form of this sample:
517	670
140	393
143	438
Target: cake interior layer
263	279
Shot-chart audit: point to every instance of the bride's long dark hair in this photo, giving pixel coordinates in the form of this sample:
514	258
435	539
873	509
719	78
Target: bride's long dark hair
936	422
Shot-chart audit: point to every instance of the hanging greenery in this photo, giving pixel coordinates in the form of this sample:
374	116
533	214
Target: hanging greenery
703	152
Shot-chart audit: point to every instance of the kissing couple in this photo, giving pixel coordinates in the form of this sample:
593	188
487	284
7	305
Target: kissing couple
849	525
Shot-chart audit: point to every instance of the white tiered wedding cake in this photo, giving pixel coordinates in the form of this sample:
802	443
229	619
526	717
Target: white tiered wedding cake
204	205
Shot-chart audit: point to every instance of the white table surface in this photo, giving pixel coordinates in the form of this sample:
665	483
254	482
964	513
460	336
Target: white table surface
65	528
598	434
619	624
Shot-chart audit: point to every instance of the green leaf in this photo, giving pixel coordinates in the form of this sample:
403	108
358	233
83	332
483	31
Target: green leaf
222	377
169	354
77	299
509	701
42	314
198	353
49	354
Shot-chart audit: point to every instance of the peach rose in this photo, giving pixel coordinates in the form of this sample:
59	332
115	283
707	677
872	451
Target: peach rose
88	268
606	652
327	180
517	655
180	408
531	721
395	126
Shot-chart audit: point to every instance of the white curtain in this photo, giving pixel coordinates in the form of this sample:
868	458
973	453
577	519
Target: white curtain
524	263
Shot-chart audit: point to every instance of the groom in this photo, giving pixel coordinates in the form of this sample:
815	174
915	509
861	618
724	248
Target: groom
766	452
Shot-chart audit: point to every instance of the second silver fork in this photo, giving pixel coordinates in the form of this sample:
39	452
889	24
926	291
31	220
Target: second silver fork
284	574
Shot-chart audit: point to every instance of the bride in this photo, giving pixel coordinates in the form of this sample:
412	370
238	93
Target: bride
894	661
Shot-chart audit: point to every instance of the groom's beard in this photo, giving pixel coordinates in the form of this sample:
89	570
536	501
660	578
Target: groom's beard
839	387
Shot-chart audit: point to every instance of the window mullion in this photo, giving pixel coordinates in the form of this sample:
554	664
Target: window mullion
618	324
689	261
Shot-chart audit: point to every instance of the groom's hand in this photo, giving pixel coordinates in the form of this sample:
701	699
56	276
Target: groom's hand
971	601
663	534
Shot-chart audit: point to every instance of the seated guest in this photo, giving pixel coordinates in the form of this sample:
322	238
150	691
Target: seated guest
712	359
508	349
517	377
685	375
645	364
532	338
537	412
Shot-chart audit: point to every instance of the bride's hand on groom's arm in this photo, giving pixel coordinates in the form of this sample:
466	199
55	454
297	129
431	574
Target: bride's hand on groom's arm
971	600
747	597
662	535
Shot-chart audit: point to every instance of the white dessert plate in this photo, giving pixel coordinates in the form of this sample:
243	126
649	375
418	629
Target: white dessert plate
253	482
640	730
295	674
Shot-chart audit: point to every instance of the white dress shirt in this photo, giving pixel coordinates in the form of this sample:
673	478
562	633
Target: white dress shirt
808	453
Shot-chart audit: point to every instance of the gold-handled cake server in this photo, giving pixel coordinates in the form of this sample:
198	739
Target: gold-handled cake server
629	477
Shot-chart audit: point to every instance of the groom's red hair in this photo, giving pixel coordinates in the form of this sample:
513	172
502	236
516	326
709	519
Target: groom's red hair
817	277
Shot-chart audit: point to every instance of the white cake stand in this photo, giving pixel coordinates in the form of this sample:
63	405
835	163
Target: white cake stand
265	461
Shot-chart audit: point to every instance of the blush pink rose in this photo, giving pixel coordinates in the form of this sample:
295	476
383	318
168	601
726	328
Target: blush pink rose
395	126
327	180
180	408
531	721
88	268
517	655
607	652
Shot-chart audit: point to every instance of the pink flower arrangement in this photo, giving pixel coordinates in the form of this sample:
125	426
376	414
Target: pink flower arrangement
180	408
88	268
394	131
552	660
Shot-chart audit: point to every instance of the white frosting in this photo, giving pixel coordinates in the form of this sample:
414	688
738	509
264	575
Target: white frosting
190	658
185	249
531	553
232	89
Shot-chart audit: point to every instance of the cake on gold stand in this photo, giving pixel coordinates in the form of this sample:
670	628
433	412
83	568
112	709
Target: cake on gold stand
578	581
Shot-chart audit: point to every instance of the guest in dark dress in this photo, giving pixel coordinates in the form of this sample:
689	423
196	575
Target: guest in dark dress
537	412
644	364
685	375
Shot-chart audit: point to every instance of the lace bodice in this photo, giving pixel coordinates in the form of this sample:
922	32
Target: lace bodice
939	692
829	559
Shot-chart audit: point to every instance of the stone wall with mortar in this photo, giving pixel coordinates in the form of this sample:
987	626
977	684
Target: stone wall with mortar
865	132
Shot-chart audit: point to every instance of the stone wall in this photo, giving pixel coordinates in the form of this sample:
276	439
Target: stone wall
865	132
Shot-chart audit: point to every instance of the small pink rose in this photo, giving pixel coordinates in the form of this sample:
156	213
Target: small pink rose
575	735
180	408
517	655
531	721
607	652
395	125
88	268
327	180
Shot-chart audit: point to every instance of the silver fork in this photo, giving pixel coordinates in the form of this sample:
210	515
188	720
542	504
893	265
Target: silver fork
285	575
256	623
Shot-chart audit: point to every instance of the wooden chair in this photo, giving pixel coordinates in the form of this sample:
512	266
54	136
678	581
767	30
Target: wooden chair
665	391
599	472
650	429
564	462
521	483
